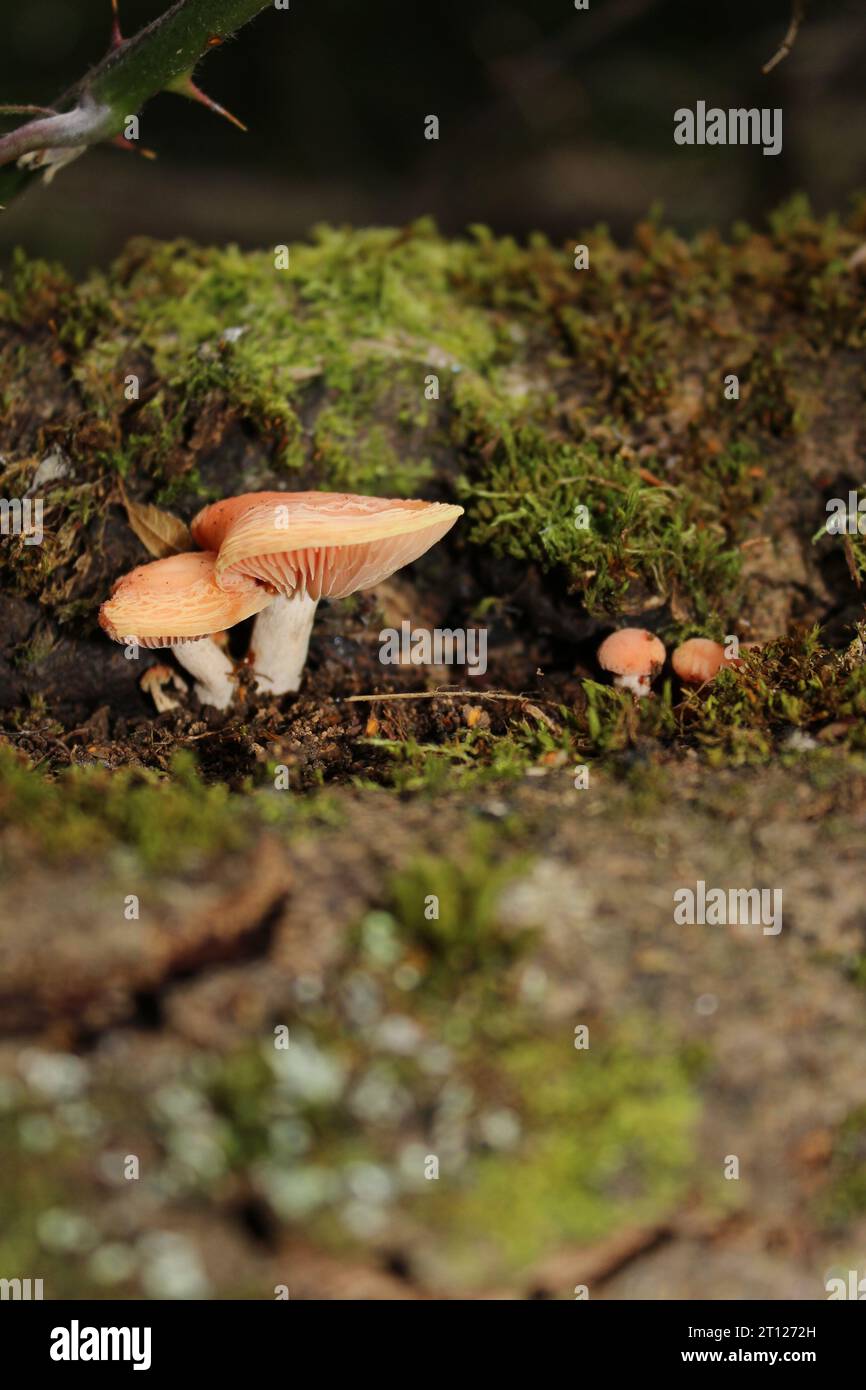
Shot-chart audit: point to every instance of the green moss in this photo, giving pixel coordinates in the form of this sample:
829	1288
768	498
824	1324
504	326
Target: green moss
448	907
554	384
790	683
169	820
609	1141
381	470
857	971
87	811
239	1089
853	539
37	291
474	757
36	1185
528	506
843	1198
346	315
745	715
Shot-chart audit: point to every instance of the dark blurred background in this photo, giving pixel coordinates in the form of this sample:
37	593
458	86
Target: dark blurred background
550	118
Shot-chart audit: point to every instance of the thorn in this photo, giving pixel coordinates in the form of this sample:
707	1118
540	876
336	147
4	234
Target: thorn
133	148
116	36
185	87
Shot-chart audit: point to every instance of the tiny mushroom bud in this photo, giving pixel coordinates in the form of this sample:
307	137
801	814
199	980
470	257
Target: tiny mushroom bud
176	602
155	682
634	657
698	660
307	546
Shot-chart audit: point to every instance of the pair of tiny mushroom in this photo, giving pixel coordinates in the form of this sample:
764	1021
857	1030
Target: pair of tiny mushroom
634	657
272	556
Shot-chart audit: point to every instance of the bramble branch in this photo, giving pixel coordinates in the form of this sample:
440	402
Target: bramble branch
798	14
161	57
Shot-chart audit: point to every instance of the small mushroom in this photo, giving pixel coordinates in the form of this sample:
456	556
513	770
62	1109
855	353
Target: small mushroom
634	657
306	546
177	603
698	660
155	683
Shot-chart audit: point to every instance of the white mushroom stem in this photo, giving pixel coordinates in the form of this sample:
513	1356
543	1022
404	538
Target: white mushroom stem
213	670
281	637
638	685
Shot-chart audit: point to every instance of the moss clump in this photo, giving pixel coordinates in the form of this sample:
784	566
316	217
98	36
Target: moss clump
474	757
400	361
843	1198
748	714
85	812
789	684
345	320
853	537
448	908
606	523
609	1140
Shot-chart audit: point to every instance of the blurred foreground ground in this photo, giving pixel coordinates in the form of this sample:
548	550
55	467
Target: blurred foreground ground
411	1038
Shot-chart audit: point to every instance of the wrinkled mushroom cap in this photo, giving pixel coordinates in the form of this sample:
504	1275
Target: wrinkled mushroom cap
177	600
698	660
631	652
322	544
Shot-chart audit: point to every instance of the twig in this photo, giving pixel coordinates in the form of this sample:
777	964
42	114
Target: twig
798	14
437	695
527	702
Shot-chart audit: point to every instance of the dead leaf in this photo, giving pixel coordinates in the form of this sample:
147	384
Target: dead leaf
651	478
850	560
160	532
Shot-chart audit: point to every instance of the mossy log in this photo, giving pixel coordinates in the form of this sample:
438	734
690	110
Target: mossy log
653	435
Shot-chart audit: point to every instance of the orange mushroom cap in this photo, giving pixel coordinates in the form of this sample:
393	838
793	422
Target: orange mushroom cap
177	600
322	544
632	651
698	660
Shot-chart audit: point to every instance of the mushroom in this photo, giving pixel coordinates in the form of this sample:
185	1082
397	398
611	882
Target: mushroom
177	603
306	546
155	682
698	660
634	657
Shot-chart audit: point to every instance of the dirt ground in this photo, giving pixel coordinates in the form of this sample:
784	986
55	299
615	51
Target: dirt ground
712	1042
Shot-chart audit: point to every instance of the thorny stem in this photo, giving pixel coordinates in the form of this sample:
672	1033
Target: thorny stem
161	56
